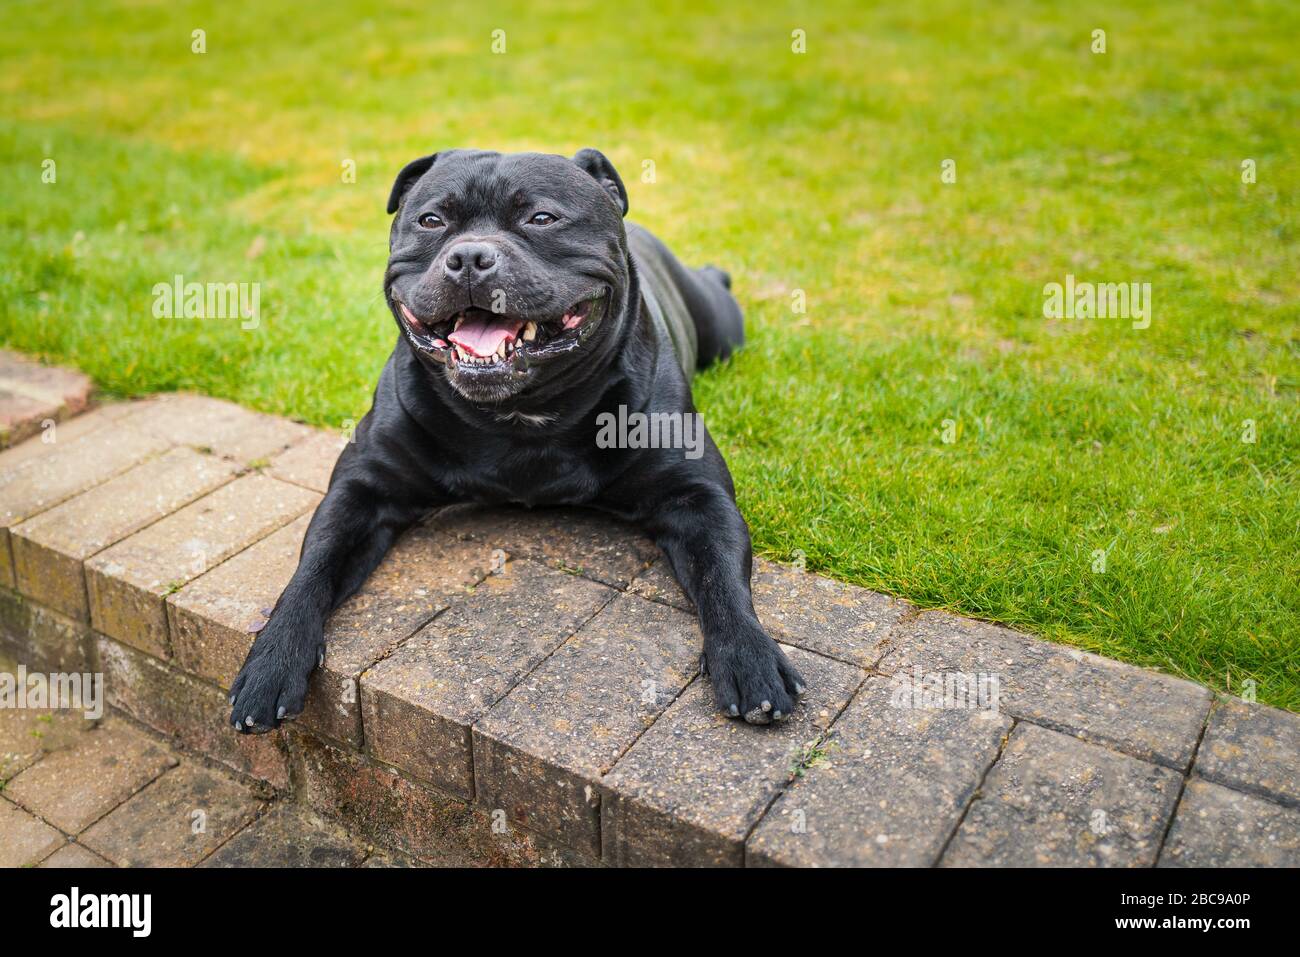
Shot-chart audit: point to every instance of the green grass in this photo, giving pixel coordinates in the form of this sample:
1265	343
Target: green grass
817	172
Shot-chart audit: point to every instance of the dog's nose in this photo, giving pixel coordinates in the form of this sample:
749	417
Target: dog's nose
472	261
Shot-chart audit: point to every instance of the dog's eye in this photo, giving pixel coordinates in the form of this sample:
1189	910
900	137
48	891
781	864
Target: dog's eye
430	221
543	219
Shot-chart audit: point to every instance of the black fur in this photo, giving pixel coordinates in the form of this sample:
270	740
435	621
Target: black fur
442	432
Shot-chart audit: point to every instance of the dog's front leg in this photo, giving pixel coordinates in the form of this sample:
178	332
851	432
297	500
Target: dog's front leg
707	542
348	536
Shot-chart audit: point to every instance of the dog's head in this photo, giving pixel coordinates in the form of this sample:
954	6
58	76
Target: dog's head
506	271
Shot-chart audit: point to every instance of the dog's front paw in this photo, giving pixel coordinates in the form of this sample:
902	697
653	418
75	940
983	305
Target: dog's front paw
751	676
271	687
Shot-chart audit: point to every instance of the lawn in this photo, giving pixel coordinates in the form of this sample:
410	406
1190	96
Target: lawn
920	427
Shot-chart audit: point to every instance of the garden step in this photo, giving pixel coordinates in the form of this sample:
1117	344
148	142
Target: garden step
35	398
522	687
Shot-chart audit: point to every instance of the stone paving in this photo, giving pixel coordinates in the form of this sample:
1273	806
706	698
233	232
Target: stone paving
522	687
109	793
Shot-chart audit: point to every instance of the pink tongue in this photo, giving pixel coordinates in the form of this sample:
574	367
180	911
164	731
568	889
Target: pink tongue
483	336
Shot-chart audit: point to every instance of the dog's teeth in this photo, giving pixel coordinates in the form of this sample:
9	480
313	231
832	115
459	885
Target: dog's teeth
501	349
461	354
530	332
459	320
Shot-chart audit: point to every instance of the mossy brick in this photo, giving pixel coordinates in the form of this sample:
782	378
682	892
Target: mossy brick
50	549
128	582
289	836
572	539
1053	800
886	788
309	462
540	752
28	734
74	787
191	712
212	619
695	784
1219	827
377	804
1252	748
63	469
24	838
228	430
176	821
74	856
828	617
41	638
423	573
1149	715
419	703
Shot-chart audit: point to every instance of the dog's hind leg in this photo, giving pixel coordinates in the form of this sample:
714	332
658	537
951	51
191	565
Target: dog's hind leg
712	312
719	323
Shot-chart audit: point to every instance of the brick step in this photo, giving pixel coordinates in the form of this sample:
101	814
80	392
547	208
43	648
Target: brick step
35	398
522	686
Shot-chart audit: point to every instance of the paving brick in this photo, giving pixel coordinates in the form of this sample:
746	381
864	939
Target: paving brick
128	582
419	703
1253	748
74	787
579	540
74	856
62	433
1151	716
691	788
383	858
211	617
229	430
22	415
56	383
540	752
176	821
377	804
64	469
287	836
1056	801
48	550
421	575
831	618
889	791
43	639
28	734
1218	827
31	393
657	583
310	462
24	839
194	713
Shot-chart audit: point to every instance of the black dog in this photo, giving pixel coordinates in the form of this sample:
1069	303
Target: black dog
527	310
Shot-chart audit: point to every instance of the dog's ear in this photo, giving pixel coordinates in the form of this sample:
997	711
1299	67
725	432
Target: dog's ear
602	171
406	179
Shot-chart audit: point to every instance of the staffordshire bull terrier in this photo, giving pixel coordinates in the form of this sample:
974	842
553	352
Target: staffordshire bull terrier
527	309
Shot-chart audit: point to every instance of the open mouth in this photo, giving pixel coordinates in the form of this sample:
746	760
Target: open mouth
479	339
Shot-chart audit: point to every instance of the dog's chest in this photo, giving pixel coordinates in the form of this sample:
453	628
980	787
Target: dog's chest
530	474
